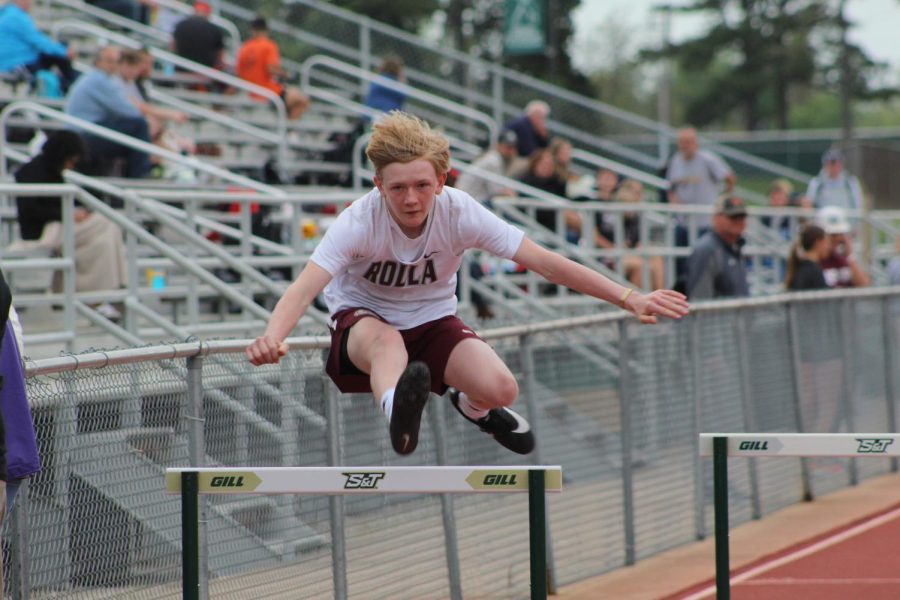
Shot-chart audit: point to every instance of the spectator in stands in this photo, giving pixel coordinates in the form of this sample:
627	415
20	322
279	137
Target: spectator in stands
631	191
840	265
24	47
894	266
780	197
607	182
99	249
834	186
496	160
258	62
715	268
196	38
22	459
531	128
383	97
130	9
696	176
542	175
99	96
387	266
132	67
803	270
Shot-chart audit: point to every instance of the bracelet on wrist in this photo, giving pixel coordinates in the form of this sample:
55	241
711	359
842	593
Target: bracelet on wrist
624	297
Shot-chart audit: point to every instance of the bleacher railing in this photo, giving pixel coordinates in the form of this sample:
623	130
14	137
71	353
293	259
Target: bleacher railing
279	138
96	520
487	86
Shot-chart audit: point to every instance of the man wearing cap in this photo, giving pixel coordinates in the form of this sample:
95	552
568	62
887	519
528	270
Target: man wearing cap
715	267
840	267
498	161
834	186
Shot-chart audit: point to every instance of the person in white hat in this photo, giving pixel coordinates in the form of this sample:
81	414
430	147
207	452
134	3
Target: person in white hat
840	267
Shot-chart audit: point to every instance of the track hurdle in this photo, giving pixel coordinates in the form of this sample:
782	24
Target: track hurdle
191	482
753	445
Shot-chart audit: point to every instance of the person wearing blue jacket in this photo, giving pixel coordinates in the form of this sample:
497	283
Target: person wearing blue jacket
24	46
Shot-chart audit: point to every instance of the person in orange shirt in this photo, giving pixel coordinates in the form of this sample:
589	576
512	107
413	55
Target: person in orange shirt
258	62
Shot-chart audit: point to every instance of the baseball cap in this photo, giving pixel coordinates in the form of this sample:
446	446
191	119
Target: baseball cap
203	8
508	136
730	206
833	155
833	219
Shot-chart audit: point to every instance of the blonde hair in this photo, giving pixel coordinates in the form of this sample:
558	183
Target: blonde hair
402	138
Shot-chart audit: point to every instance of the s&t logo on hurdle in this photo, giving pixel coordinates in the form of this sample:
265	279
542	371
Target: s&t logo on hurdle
362	481
873	445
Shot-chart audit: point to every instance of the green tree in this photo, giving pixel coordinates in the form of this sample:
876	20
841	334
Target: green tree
476	27
405	14
755	55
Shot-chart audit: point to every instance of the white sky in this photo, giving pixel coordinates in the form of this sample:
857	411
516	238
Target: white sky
877	26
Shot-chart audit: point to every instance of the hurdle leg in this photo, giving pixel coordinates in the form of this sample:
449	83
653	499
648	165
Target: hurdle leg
720	499
190	536
537	534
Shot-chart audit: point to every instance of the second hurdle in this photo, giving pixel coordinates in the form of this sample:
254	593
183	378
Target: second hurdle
721	446
534	480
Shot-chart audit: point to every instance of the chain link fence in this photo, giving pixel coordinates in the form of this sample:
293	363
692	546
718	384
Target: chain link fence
616	404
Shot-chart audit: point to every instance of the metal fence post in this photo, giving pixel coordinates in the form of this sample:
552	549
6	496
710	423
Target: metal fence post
197	458
794	344
890	358
625	390
748	405
448	515
526	359
847	380
537	527
335	503
20	554
697	422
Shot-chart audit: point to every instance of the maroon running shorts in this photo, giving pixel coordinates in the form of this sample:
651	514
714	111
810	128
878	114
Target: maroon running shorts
430	343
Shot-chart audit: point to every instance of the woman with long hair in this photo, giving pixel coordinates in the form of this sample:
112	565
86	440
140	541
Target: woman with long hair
803	270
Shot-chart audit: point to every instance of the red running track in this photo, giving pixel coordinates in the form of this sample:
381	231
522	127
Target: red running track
859	561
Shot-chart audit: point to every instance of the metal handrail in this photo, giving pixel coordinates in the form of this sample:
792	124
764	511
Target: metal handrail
546	90
463	111
98	360
228	26
189	65
188	161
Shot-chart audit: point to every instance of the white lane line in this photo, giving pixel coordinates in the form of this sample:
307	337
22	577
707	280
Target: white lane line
823	581
802	552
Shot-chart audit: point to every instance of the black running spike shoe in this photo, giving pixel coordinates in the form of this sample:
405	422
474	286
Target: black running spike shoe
410	397
509	428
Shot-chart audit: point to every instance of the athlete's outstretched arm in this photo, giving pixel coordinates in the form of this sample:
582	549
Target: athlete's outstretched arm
270	347
560	270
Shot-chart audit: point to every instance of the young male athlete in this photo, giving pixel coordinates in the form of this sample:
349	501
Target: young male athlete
388	267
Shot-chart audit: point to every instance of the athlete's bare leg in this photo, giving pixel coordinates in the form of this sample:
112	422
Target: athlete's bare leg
485	387
475	369
377	348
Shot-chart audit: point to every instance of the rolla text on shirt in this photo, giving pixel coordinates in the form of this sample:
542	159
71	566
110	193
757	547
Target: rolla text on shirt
394	274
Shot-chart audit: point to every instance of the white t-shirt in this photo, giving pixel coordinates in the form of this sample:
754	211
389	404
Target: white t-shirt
407	281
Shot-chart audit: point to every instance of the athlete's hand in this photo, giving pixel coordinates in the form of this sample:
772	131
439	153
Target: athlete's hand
666	303
266	350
